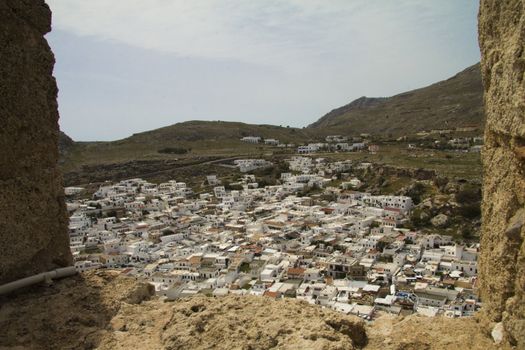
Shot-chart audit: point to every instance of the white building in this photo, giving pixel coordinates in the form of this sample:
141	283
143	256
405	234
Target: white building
69	191
246	165
272	142
251	139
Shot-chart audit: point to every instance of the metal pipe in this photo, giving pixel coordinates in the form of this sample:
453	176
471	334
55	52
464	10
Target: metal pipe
41	277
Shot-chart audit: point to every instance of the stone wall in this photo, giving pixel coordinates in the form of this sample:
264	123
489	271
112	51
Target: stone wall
33	218
502	261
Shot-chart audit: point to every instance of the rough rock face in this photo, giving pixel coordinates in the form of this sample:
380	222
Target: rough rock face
417	332
502	260
440	220
233	322
105	311
33	221
73	313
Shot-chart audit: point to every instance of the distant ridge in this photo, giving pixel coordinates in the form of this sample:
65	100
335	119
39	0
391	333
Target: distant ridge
457	101
451	103
197	130
191	138
64	143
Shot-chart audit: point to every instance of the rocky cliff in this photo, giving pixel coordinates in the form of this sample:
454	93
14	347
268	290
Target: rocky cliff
502	261
33	221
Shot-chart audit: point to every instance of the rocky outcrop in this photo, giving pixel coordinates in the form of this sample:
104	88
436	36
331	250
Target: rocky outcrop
33	221
416	332
106	311
73	313
233	322
502	260
440	220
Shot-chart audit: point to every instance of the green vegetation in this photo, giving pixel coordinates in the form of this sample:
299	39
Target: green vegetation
167	232
245	267
451	164
174	150
395	184
469	195
469	199
460	201
203	138
92	250
418	220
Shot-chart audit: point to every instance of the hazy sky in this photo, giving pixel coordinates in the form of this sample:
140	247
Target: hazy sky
126	66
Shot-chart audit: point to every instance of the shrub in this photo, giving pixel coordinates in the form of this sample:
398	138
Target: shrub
416	192
470	211
468	196
173	150
167	232
417	220
466	233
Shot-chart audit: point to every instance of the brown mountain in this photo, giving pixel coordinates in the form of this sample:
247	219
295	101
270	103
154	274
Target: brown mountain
457	101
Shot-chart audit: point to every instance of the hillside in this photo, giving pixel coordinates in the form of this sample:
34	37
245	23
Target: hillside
191	131
198	138
64	141
447	104
457	101
65	144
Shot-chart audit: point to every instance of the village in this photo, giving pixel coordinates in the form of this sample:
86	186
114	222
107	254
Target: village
335	247
433	139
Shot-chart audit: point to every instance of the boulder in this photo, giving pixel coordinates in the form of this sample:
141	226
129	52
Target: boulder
440	220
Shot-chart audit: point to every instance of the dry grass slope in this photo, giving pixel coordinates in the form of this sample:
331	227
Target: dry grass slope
204	138
457	101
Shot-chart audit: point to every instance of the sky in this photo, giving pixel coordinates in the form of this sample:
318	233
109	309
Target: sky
127	66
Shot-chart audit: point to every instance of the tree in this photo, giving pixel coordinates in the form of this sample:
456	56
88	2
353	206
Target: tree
468	196
470	211
111	213
416	192
245	267
173	150
167	232
466	233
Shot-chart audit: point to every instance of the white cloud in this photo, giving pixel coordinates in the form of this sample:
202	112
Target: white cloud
289	61
294	33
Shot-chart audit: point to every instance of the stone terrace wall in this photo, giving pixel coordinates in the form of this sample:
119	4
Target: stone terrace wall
502	261
33	218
